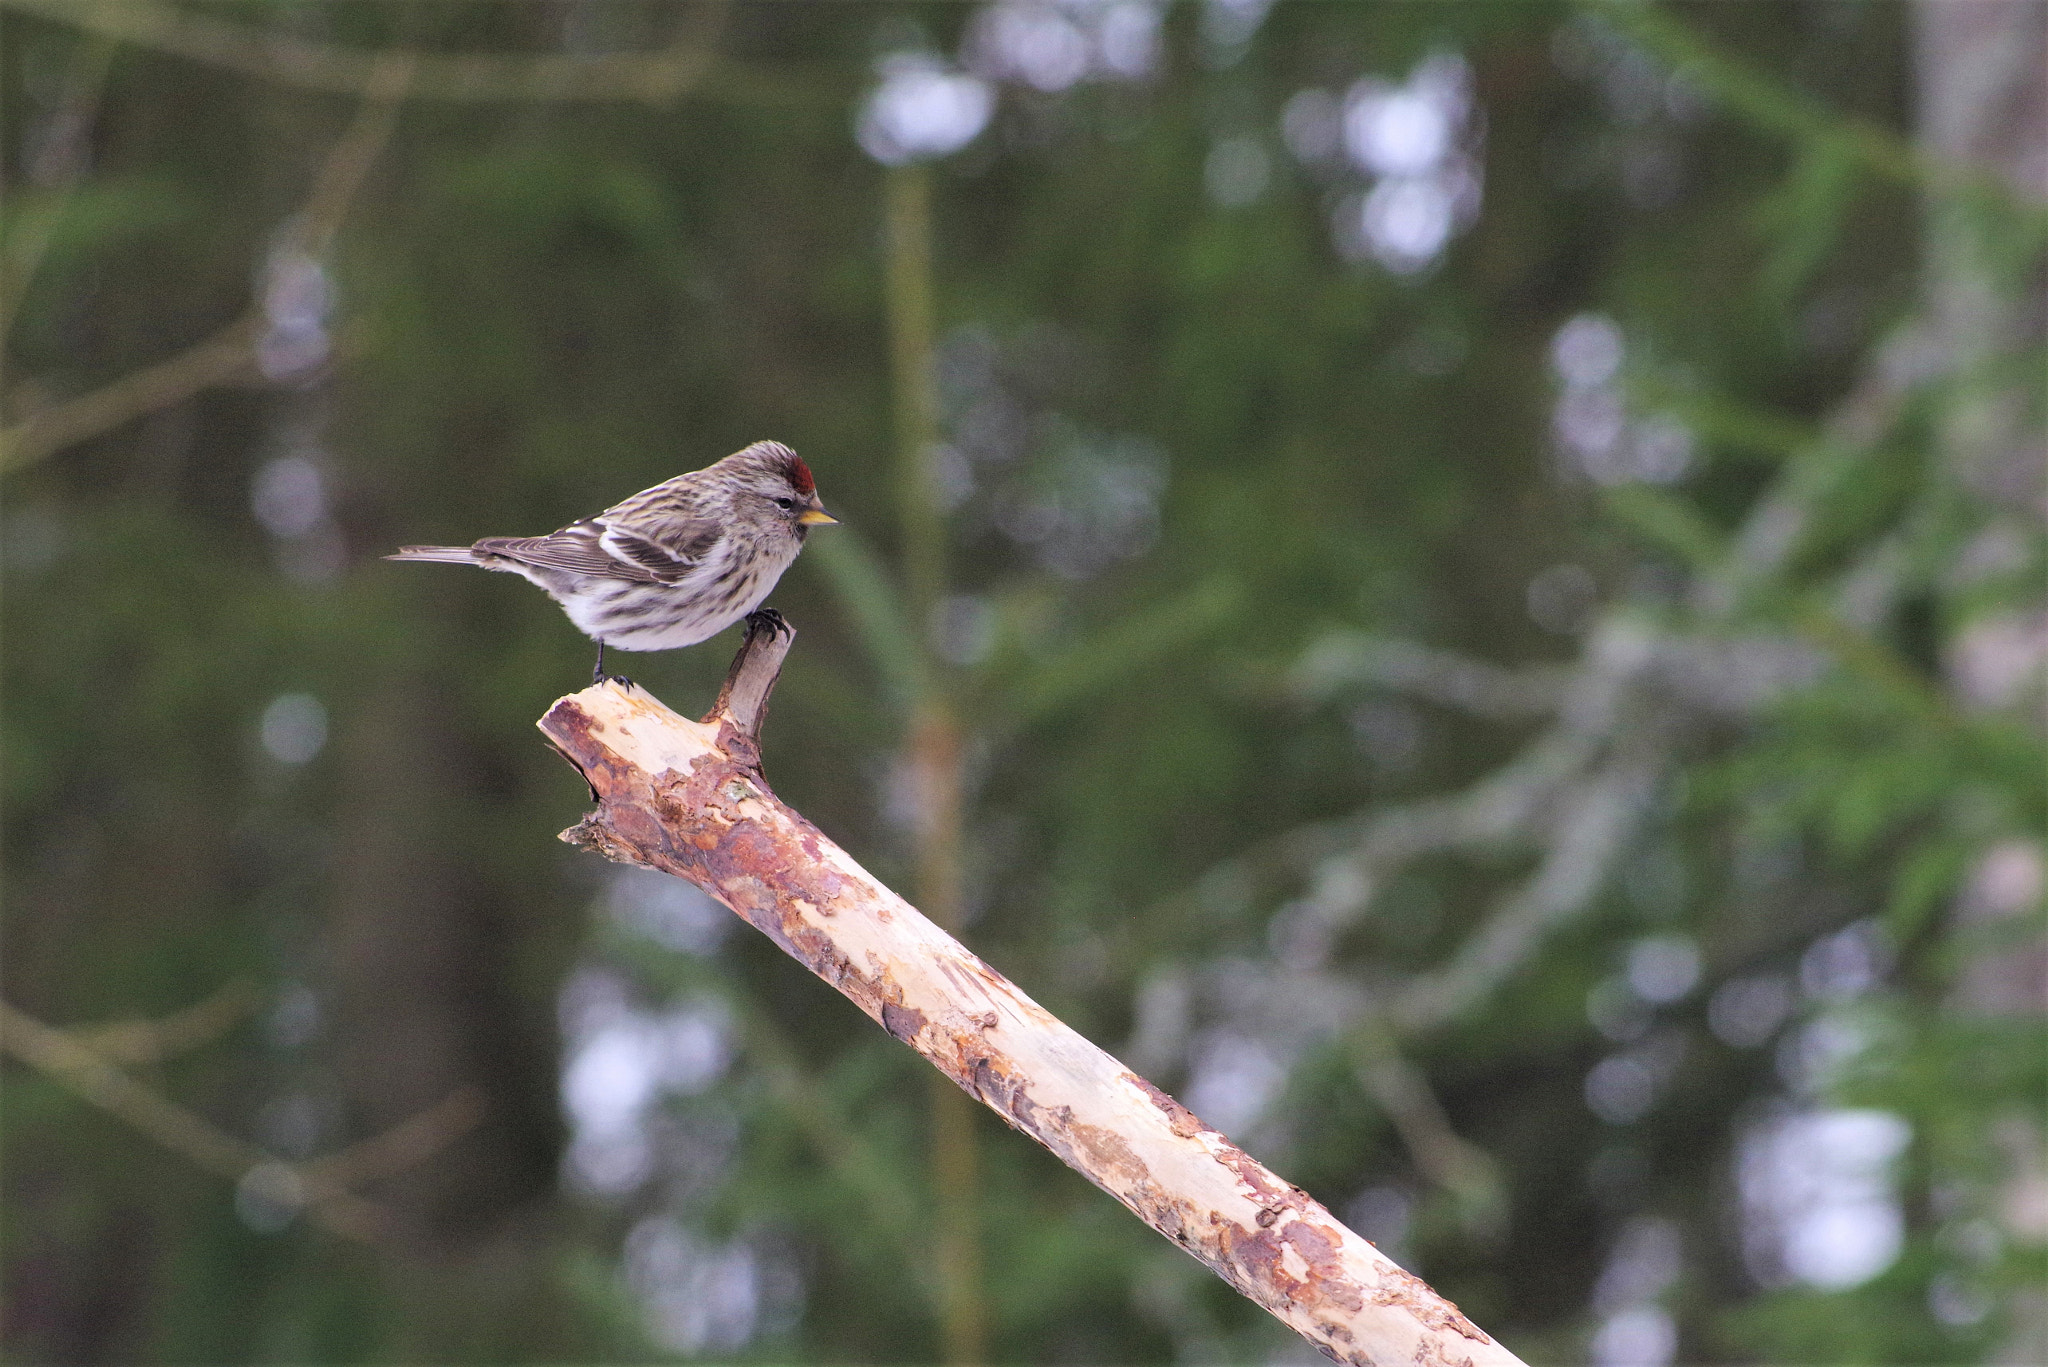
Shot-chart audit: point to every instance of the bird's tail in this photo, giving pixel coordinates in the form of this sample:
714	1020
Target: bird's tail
445	555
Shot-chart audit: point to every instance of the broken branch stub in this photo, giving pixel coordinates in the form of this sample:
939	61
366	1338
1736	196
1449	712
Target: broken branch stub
688	798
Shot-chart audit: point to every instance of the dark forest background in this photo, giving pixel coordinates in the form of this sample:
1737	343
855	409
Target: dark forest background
1460	585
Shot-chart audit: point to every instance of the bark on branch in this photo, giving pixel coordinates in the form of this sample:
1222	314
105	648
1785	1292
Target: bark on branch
688	798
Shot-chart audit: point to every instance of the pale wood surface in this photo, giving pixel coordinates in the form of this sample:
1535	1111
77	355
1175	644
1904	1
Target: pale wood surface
688	798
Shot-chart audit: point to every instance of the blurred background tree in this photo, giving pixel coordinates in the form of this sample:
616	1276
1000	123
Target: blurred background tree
1463	587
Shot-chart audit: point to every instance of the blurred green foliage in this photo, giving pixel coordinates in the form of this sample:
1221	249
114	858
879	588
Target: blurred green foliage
1237	443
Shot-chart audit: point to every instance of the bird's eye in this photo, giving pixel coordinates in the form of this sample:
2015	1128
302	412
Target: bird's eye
785	503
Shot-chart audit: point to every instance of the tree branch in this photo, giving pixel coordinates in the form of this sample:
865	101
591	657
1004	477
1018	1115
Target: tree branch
405	1145
657	78
319	1187
1592	831
59	163
150	1041
229	354
744	697
1773	105
688	798
1439	1152
226	356
1487	690
887	1204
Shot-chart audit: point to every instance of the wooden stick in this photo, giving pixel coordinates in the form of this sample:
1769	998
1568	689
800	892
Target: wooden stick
688	798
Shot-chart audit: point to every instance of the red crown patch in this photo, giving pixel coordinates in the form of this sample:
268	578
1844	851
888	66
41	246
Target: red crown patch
800	475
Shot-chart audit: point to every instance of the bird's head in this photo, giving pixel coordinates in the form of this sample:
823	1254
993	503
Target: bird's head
772	483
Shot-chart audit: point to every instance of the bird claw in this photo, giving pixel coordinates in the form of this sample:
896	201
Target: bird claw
767	619
598	676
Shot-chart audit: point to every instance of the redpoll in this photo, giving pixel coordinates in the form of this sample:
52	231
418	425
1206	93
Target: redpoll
672	565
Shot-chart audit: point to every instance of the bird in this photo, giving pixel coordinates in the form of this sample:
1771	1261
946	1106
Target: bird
672	565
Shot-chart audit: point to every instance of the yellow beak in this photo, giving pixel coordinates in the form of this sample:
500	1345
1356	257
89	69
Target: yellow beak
816	517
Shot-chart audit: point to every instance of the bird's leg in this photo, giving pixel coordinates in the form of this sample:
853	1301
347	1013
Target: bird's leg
598	676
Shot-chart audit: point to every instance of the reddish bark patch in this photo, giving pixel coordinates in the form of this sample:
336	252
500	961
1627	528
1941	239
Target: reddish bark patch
1323	1250
1323	1283
994	1084
902	1021
571	731
742	748
1399	1287
1183	1121
1111	1159
568	725
1252	1173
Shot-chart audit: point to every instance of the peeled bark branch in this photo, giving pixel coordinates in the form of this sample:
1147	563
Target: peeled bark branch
688	798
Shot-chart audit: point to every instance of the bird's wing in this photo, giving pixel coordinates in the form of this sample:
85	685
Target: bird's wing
579	548
669	549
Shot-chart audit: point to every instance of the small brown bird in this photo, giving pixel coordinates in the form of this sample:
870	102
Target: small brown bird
672	565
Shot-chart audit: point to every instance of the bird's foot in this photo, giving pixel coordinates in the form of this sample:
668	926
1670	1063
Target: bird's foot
598	676
767	619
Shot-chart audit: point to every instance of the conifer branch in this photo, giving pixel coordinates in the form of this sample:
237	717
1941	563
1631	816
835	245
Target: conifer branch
659	77
319	1188
230	354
